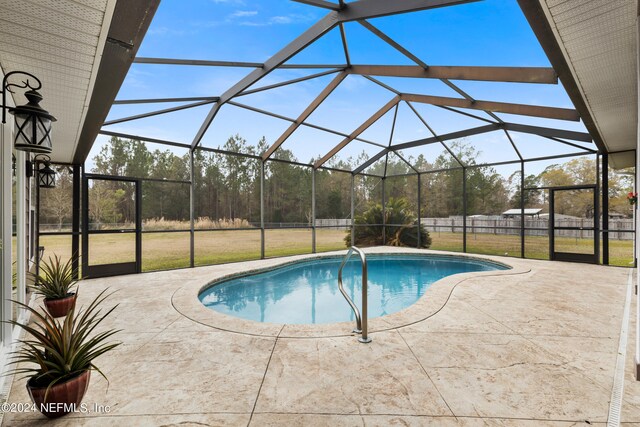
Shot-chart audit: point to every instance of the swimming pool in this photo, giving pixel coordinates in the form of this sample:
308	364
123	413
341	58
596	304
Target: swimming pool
306	292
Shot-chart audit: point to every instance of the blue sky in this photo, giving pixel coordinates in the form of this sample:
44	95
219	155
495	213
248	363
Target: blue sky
486	33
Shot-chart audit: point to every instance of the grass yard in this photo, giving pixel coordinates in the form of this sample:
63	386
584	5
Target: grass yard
168	250
536	247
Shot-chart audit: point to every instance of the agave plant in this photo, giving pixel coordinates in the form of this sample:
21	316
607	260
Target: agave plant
401	231
56	279
56	351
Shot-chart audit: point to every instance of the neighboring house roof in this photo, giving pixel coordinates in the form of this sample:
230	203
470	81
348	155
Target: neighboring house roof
527	211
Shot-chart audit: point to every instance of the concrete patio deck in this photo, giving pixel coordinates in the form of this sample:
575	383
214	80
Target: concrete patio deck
533	346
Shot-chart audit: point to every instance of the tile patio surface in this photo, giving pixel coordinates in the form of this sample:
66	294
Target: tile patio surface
533	346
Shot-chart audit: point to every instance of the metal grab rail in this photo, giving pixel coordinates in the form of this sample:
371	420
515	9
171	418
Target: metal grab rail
361	322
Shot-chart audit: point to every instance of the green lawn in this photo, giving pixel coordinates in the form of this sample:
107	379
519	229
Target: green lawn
171	250
536	247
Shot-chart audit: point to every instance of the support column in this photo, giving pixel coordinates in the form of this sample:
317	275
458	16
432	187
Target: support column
85	223
353	209
522	239
384	214
36	228
635	249
5	232
21	229
419	213
636	227
313	210
75	222
464	209
138	226
596	212
192	200
262	209
605	209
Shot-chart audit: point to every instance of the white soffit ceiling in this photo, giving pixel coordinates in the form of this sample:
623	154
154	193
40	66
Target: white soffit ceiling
598	39
61	43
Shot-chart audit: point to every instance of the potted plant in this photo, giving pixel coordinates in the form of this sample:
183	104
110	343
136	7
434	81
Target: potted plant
55	283
63	353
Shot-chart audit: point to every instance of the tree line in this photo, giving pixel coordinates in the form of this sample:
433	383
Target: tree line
228	186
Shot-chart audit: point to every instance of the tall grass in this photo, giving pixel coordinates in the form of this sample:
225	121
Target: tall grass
202	223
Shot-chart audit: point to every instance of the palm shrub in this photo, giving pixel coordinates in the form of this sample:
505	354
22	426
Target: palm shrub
402	231
56	279
57	351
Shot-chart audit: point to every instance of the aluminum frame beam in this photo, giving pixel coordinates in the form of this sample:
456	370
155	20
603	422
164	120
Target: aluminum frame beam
144	138
393	43
562	141
497	107
288	82
305	114
216	98
360	11
446	147
366	9
364	126
160	100
305	39
320	3
513	145
371	161
157	112
393	129
514	127
464	113
292	120
549	132
490	74
345	45
199	62
355	11
233	64
402	50
446	137
401	157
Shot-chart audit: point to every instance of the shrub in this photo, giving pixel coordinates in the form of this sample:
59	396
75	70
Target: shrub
401	231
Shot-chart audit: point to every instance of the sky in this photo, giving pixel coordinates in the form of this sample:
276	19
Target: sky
485	33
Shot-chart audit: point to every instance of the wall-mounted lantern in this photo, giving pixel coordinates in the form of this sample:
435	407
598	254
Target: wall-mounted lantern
45	174
33	123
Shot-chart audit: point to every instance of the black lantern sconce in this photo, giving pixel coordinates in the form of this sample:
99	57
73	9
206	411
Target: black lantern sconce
46	175
33	123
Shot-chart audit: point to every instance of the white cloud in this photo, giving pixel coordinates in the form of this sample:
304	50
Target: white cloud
243	13
292	18
281	20
163	31
238	2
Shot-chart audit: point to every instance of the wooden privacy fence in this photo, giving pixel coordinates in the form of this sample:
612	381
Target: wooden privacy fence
619	229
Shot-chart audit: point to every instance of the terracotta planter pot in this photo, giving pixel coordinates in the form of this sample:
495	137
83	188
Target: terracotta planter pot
62	398
61	306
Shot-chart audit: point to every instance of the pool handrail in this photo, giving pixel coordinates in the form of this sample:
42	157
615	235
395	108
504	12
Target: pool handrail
361	321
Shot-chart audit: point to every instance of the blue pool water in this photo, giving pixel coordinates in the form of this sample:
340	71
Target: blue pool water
307	291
